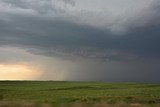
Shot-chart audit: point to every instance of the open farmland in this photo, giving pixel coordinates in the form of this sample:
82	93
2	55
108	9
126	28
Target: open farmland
87	93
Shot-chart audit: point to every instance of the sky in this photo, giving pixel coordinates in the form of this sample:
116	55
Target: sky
80	40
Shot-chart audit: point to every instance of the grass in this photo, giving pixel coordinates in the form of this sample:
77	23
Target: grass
88	93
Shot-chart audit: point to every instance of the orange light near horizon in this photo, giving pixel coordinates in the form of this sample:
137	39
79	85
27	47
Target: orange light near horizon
18	72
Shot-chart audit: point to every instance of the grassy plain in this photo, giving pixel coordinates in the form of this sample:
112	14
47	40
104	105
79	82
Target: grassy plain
84	93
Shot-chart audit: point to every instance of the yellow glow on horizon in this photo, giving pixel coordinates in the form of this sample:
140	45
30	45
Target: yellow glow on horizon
18	72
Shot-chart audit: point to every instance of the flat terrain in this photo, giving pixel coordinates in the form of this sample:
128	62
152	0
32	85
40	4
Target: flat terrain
56	93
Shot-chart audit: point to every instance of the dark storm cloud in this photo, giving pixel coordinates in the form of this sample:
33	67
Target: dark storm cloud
50	37
122	46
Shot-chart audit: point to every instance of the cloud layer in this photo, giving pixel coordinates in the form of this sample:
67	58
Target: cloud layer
103	38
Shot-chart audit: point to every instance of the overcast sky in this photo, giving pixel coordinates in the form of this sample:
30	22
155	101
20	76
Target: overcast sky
81	40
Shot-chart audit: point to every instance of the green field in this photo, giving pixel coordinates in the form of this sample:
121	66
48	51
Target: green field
66	93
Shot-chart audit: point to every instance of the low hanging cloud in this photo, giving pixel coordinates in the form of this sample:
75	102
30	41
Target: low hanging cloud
65	39
85	37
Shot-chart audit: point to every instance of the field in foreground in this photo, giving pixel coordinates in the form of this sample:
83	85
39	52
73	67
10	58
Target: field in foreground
79	93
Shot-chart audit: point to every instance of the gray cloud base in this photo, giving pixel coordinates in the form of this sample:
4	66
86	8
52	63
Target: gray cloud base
49	30
63	37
